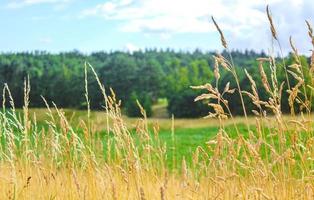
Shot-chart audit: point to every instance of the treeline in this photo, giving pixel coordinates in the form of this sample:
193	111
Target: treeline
143	75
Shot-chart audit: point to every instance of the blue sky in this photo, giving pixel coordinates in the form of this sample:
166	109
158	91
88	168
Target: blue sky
93	25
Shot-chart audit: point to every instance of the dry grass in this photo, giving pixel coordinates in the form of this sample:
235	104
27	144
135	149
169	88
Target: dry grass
275	161
99	119
45	182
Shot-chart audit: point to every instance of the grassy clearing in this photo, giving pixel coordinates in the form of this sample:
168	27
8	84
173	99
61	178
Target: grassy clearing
98	119
189	134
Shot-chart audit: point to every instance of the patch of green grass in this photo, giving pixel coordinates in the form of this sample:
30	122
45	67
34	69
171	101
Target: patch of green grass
186	140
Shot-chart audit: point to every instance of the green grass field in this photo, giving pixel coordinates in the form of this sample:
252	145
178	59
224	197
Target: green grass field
188	133
181	136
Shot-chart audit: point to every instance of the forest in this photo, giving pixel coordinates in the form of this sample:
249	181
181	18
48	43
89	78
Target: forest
145	76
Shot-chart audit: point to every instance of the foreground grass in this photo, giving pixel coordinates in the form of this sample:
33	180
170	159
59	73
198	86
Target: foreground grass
56	154
146	160
43	181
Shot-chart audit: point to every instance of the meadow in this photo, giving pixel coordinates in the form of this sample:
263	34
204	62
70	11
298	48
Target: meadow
188	134
57	153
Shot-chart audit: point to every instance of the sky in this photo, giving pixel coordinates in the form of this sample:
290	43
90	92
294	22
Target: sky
97	25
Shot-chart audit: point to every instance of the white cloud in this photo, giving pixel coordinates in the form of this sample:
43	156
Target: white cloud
244	22
23	3
175	15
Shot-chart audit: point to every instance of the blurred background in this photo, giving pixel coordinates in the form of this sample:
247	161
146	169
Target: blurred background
150	50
